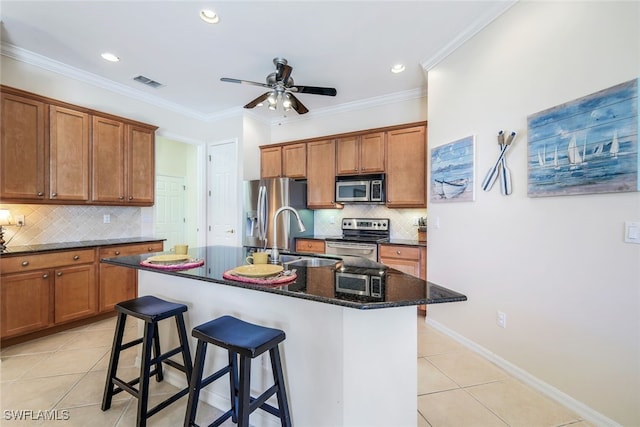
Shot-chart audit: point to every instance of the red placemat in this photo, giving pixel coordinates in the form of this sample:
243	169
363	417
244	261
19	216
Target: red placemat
229	275
174	267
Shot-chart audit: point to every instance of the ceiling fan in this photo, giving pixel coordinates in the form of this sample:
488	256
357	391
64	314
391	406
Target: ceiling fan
282	89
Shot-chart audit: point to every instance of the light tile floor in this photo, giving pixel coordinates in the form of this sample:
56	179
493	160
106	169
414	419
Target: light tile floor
66	372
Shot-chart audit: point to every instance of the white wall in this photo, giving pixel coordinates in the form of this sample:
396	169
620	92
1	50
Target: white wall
557	266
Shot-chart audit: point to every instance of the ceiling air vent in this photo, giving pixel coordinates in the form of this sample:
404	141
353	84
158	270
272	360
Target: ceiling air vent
147	81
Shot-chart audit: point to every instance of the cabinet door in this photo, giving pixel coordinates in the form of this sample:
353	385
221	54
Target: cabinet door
26	302
68	154
140	161
294	160
372	152
403	258
22	148
406	168
310	245
75	292
321	175
347	155
270	162
108	160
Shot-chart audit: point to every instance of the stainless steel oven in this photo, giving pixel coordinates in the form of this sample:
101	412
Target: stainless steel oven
360	237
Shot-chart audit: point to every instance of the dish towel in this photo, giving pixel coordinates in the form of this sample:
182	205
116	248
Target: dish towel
175	267
229	275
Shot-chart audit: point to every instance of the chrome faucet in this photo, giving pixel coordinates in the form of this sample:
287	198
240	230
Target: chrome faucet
274	250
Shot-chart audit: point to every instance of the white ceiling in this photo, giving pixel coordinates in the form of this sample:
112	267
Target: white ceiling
348	45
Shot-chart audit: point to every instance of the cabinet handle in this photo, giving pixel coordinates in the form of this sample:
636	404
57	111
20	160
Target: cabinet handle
117	252
59	273
45	276
54	194
398	252
25	263
76	257
121	198
40	194
130	197
150	249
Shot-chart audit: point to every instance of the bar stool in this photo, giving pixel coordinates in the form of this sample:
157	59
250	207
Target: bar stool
151	310
246	341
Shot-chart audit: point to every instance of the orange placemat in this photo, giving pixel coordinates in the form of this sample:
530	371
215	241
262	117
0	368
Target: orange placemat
174	267
229	275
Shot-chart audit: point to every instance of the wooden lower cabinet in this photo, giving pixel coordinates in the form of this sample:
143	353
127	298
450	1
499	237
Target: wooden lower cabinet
310	245
75	293
120	283
45	290
27	302
408	259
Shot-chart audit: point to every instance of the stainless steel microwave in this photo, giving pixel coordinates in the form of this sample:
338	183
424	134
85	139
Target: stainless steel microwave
360	189
360	284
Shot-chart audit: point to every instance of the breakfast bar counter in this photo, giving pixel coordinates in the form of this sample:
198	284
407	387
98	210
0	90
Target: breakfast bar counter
350	351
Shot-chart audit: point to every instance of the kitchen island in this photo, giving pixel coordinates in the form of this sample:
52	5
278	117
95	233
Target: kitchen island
349	358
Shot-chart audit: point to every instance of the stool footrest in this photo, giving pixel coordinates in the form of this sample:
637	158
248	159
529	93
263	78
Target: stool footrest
126	386
211	378
259	402
164	356
131	344
167	402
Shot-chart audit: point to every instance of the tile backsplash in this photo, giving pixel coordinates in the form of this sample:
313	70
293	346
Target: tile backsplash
56	224
327	221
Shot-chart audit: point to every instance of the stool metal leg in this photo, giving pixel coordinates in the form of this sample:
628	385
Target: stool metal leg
113	361
145	368
244	391
195	385
157	353
283	405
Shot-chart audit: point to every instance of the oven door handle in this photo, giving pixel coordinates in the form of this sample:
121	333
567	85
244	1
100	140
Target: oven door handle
365	249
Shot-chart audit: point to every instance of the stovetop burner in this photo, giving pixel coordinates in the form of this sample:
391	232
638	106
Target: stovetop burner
364	230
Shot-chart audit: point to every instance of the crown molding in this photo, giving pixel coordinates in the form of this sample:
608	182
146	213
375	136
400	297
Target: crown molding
49	64
491	14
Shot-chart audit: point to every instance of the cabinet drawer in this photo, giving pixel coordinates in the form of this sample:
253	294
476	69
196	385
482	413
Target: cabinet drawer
135	249
50	260
307	245
400	251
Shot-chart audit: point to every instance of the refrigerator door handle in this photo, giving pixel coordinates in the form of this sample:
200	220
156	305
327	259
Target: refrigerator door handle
262	214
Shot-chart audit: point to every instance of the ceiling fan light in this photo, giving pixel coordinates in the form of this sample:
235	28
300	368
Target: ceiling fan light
273	107
272	99
286	102
209	16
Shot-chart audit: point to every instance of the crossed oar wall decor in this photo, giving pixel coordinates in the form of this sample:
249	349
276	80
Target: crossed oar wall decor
500	169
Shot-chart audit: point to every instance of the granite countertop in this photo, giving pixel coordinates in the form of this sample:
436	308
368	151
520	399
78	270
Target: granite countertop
312	283
52	247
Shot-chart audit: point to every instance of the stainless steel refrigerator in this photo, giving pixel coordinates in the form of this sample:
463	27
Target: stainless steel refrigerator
262	198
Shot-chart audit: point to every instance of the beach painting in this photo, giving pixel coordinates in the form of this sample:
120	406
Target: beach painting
452	171
586	146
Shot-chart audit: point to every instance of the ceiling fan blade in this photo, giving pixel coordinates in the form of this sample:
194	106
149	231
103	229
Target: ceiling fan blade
315	90
245	82
297	105
258	100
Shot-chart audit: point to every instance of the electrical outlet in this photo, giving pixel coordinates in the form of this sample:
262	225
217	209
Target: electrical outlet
19	219
501	319
416	220
632	232
106	219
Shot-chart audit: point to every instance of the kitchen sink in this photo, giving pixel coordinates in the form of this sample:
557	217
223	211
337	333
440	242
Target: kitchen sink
289	261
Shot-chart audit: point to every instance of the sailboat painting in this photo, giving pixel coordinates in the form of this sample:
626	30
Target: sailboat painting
586	146
452	171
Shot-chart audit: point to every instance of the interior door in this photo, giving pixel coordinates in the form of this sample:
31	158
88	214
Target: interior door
170	210
223	210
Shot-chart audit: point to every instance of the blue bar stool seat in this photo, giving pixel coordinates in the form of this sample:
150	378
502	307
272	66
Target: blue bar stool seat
151	310
243	341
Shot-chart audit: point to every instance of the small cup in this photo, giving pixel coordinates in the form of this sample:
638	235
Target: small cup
181	249
258	258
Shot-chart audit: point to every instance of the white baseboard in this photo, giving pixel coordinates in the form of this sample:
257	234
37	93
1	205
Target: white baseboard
584	411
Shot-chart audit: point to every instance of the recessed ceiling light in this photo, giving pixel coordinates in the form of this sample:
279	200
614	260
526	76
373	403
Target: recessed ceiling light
209	16
110	57
398	68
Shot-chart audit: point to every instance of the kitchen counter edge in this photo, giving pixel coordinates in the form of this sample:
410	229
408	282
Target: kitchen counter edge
62	246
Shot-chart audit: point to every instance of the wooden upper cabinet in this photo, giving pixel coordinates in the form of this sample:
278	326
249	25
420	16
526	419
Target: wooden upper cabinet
140	164
22	148
270	162
361	154
123	162
406	168
294	160
108	160
68	154
321	168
